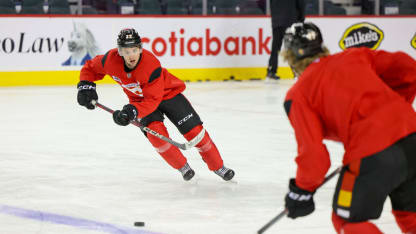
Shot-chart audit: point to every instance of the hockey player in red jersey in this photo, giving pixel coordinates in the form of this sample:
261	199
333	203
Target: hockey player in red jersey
363	99
153	92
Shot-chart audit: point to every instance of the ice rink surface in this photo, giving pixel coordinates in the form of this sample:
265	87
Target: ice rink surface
67	170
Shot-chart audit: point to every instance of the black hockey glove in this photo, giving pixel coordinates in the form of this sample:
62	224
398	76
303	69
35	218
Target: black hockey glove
86	93
127	114
299	202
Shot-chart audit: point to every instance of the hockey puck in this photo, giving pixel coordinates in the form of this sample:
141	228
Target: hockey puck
139	224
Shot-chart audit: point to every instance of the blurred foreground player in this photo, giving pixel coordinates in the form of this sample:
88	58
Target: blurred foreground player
153	92
361	98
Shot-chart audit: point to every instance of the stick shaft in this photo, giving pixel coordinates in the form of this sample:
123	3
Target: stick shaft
273	221
286	211
184	146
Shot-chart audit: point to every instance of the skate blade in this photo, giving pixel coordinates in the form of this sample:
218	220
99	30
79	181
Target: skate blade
232	181
194	181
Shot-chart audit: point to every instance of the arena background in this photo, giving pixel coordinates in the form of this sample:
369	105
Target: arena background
34	49
68	170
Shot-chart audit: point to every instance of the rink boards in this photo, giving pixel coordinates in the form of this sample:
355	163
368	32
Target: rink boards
40	50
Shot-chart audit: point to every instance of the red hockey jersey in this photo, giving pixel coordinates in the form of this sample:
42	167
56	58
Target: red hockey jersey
146	86
358	97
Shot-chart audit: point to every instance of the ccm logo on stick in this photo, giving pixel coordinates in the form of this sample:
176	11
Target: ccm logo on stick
185	119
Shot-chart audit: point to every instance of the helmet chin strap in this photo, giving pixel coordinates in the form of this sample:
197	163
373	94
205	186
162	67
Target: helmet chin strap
294	71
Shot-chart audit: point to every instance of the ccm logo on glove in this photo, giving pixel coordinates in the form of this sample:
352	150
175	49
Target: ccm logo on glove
299	197
86	87
86	93
298	202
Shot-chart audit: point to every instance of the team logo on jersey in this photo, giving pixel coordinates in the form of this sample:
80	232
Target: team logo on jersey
134	88
116	79
413	41
362	35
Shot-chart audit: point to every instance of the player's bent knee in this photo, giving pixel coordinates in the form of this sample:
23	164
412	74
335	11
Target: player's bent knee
406	221
202	140
193	132
163	148
345	227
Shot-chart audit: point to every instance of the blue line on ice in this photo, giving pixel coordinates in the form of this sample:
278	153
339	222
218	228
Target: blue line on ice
69	221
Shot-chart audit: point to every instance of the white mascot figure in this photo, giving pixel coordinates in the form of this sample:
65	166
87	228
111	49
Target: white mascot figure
82	46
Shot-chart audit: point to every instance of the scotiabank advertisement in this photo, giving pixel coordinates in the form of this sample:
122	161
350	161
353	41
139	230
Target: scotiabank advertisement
65	43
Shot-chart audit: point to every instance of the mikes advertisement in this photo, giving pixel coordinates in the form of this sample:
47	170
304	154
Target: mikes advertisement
65	43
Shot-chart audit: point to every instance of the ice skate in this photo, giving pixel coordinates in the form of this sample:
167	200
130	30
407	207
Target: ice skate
271	77
187	172
225	173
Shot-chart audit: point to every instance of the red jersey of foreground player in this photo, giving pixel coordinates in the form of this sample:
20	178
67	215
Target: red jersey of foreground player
370	87
362	98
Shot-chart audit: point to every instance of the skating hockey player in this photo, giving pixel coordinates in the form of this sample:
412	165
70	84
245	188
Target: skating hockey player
363	99
153	92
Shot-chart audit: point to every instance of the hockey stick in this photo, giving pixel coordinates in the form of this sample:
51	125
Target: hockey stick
184	146
286	211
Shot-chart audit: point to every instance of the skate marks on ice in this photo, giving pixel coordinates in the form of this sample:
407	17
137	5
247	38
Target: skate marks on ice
69	221
200	186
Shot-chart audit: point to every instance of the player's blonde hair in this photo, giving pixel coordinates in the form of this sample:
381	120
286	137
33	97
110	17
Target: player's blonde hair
298	66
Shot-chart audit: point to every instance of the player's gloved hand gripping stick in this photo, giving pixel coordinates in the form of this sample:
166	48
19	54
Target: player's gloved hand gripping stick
184	146
286	211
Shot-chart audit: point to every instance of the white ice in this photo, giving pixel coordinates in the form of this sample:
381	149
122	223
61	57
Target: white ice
57	158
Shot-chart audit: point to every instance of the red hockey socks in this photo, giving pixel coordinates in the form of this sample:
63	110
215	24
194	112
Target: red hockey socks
406	221
170	154
344	227
206	148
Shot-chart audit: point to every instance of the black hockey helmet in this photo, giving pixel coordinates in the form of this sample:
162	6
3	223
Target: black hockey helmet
303	39
128	37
